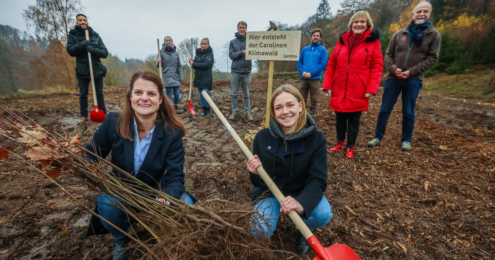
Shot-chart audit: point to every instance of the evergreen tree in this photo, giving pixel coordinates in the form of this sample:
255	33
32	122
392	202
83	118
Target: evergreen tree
486	50
323	12
323	18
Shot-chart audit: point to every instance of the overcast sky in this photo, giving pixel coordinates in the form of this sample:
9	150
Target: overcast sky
129	29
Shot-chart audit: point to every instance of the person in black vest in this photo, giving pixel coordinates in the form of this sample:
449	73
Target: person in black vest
78	46
294	154
203	78
145	140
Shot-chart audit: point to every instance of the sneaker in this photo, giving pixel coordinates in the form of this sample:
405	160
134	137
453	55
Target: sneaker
374	142
249	117
406	146
232	115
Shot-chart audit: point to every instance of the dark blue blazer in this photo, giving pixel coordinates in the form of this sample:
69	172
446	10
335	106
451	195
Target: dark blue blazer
162	167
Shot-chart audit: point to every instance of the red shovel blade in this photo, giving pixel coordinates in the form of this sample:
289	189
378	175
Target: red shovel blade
95	116
335	252
191	108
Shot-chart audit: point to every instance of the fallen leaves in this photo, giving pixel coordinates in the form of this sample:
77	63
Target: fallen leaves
53	173
32	137
63	227
3	152
45	153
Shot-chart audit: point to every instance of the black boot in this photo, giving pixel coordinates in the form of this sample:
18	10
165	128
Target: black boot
302	246
177	110
204	111
208	114
118	251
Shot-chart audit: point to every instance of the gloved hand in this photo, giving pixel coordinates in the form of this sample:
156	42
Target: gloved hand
86	43
90	49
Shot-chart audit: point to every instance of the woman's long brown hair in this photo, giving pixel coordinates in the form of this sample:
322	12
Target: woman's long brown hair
166	111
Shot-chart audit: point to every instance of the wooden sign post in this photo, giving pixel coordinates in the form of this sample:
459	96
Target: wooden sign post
272	46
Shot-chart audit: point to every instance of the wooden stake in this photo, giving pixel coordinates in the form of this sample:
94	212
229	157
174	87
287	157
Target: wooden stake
269	94
159	56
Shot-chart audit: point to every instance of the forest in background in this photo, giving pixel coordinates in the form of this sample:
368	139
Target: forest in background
467	28
39	62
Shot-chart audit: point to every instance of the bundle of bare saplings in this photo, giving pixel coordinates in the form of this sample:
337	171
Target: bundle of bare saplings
208	229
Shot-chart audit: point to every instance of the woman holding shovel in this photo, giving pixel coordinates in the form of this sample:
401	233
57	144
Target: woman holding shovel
145	140
171	70
294	154
203	78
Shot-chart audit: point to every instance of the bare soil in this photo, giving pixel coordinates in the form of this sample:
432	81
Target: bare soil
434	202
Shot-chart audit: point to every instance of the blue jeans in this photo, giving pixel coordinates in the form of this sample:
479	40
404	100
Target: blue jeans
410	91
245	81
269	209
83	85
203	101
118	217
176	94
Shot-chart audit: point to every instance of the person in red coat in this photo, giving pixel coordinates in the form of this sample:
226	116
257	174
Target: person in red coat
353	76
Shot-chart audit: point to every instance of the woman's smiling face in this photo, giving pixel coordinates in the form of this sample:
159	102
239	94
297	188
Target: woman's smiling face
287	111
145	98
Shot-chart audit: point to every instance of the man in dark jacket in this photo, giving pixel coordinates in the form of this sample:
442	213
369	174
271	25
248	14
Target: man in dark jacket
310	65
78	46
240	70
410	53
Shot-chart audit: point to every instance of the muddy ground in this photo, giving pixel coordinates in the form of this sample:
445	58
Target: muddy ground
434	202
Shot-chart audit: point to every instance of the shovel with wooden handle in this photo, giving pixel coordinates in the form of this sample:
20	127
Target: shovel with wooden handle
96	115
190	84
335	252
159	56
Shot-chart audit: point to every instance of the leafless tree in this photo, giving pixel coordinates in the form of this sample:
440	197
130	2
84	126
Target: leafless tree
52	18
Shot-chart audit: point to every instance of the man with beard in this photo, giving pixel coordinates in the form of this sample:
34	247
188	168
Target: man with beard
310	65
78	46
410	53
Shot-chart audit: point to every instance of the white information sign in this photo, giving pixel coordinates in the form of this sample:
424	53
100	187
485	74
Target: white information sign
273	45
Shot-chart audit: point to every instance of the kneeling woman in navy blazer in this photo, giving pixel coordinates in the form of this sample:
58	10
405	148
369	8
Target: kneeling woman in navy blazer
294	154
145	140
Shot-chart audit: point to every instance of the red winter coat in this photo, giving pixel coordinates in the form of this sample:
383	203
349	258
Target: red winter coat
350	78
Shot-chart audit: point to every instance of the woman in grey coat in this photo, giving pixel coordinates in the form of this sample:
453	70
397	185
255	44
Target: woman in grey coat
171	70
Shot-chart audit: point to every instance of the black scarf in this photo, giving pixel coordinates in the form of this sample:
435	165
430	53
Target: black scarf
169	48
416	32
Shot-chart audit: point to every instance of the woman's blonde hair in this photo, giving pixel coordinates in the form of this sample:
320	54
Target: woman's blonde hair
301	122
206	39
361	14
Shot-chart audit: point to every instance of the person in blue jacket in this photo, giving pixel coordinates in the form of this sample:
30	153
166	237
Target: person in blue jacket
145	140
310	65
